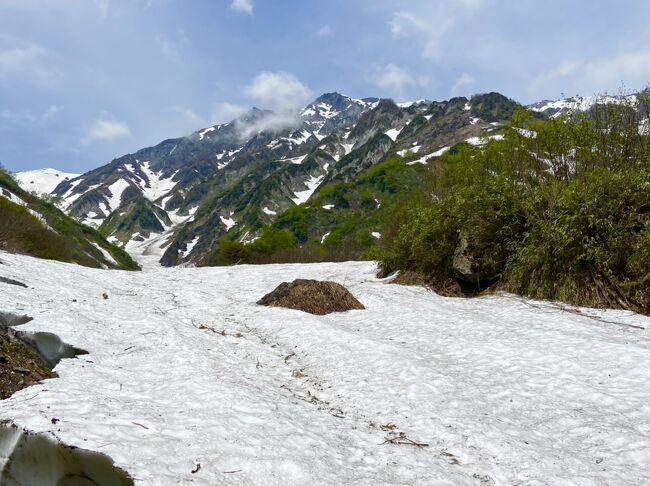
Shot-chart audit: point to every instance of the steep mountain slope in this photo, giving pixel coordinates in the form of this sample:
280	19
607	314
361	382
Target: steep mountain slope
349	211
176	201
33	227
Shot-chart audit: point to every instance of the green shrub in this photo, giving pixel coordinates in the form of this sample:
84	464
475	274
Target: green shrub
563	215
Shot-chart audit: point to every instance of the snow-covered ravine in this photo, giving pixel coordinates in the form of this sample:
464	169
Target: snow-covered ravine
186	373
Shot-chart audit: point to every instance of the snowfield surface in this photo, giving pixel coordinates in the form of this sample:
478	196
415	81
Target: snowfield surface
42	181
185	369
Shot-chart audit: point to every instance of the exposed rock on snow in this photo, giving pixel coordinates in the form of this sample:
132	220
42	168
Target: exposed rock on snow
50	348
312	296
477	271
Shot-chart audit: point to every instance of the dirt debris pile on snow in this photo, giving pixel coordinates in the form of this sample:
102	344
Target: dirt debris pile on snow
313	296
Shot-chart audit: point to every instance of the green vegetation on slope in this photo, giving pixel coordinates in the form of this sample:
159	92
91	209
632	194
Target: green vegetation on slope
337	223
52	234
559	210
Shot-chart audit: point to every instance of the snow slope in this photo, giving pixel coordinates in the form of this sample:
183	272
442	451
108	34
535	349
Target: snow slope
42	181
185	369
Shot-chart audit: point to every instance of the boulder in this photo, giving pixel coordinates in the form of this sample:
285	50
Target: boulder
476	265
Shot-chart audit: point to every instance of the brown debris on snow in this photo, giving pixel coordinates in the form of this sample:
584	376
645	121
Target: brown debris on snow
313	296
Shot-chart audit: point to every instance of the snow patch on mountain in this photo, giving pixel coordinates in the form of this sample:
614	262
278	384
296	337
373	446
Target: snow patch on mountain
7	194
414	149
393	133
157	186
426	158
203	133
116	189
42	181
312	184
189	247
581	103
229	222
478	141
297	160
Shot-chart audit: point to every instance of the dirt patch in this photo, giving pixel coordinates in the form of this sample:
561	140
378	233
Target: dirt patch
28	357
313	296
20	366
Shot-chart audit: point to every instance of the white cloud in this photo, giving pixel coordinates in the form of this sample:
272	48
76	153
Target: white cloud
225	112
28	117
26	60
462	84
395	79
278	90
192	118
172	48
324	31
270	122
51	112
106	130
243	6
597	75
431	23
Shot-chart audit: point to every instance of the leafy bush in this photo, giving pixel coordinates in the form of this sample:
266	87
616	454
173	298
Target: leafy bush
560	209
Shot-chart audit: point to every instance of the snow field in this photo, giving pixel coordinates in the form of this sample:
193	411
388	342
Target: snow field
185	369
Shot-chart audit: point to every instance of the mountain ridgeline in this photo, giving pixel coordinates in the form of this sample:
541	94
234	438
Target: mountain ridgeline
182	200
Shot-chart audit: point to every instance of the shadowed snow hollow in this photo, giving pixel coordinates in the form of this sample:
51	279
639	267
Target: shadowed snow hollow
35	460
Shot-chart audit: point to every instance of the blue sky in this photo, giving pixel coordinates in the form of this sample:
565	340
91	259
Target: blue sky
84	81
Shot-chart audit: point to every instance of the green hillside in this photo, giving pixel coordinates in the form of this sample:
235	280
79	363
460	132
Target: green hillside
31	226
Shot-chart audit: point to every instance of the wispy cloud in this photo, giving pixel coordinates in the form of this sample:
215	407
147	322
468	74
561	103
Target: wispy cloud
172	48
105	130
589	76
28	61
278	90
324	31
395	80
242	6
269	122
462	84
430	23
192	118
50	113
225	112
